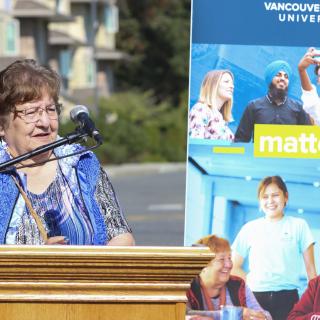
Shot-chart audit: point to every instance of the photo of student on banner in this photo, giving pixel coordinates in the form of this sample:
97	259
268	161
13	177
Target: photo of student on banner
310	97
273	244
259	96
221	199
275	107
209	117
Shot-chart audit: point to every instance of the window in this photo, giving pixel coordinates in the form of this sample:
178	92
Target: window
8	5
59	6
111	18
11	37
65	63
90	73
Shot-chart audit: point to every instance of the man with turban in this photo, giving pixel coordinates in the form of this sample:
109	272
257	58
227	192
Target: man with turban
275	107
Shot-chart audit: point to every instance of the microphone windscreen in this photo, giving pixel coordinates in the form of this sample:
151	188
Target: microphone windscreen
76	111
51	217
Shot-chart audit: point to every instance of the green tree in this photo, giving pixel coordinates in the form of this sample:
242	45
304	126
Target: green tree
138	130
147	119
156	35
135	129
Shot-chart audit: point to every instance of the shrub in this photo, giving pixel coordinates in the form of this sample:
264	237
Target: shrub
135	129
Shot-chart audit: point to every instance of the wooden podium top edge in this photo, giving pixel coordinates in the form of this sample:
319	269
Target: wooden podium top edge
100	251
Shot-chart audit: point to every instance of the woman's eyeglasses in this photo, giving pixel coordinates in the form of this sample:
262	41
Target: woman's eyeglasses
30	115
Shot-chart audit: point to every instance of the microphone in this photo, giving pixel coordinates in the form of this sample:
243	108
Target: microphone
51	219
80	115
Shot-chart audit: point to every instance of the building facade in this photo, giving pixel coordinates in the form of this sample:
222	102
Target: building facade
77	38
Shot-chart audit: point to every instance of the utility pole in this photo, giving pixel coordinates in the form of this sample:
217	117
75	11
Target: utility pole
94	30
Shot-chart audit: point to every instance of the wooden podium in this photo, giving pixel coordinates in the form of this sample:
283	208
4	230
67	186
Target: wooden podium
97	283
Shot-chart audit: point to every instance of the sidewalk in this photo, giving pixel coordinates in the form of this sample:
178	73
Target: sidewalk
144	168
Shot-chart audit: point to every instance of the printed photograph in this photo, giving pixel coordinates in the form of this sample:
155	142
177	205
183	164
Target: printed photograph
234	87
261	206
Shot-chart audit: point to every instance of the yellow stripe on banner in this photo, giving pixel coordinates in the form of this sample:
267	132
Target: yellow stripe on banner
229	150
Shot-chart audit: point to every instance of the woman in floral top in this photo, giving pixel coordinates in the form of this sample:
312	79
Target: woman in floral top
209	117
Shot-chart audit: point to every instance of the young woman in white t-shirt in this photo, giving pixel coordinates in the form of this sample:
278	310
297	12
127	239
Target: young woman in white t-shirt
274	245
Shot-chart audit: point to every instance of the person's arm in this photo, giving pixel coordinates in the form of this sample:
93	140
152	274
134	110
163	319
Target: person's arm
198	318
253	307
245	129
56	240
123	239
305	80
198	121
308	257
237	270
203	314
118	230
304	63
309	97
249	314
306	247
240	250
304	308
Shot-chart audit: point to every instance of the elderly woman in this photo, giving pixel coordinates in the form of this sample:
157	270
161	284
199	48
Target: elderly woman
215	287
274	245
209	117
69	201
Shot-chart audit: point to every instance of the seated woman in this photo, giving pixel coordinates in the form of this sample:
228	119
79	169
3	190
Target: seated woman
215	287
209	117
308	307
69	201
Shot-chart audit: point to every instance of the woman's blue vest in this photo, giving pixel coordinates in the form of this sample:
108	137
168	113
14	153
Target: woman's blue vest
87	169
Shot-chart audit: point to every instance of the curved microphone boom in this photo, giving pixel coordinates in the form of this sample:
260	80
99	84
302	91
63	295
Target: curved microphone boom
80	115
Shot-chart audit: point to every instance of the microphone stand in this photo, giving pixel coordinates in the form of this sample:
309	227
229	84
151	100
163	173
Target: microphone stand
70	138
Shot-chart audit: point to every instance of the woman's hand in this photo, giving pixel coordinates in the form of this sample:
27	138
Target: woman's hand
57	240
123	239
249	314
197	318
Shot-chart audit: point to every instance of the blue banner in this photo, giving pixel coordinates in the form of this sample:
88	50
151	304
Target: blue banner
256	22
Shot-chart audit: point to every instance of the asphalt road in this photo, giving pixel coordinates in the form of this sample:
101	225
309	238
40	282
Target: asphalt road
153	198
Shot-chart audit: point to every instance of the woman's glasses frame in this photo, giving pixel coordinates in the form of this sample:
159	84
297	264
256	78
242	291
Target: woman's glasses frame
33	114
